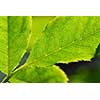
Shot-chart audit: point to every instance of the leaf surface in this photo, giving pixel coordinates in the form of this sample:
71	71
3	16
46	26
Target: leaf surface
49	40
3	44
39	24
18	34
14	37
66	39
37	74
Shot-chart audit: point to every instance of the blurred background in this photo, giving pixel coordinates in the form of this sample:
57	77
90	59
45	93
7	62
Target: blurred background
83	71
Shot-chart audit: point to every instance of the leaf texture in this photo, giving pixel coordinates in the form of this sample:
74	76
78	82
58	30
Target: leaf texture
37	74
48	40
66	39
18	34
3	44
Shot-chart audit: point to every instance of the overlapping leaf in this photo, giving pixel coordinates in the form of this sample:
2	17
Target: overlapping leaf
38	26
66	39
37	74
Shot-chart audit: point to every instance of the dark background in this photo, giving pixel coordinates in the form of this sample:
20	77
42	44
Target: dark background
83	71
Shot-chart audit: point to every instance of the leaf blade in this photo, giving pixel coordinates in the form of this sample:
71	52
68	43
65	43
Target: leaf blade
36	74
65	40
3	44
19	30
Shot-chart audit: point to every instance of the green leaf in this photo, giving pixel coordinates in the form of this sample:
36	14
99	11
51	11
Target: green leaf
38	26
18	34
66	39
3	44
13	41
15	34
37	74
49	40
